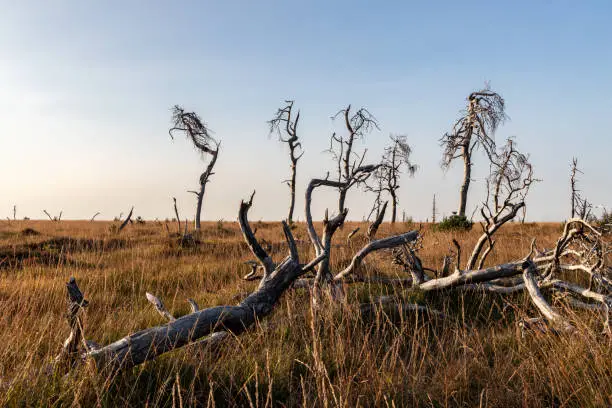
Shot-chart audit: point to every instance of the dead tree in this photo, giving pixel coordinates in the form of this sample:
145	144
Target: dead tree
286	127
373	228
580	250
350	168
474	129
198	132
215	322
14	212
126	221
58	218
395	159
434	210
509	182
324	278
178	219
580	206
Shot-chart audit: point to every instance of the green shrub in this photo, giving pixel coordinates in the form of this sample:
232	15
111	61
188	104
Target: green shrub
455	223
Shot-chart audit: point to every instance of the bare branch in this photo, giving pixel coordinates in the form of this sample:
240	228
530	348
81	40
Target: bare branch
159	306
126	221
250	239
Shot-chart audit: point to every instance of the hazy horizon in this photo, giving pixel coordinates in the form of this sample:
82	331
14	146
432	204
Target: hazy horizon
86	93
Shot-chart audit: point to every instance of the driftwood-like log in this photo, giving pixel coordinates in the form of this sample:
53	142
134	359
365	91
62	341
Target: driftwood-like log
540	302
152	342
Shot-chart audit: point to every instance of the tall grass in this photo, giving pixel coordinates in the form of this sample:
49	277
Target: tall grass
329	356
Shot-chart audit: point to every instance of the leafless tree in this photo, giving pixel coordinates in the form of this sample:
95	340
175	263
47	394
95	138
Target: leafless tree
396	158
198	132
212	325
58	218
580	206
178	219
14	212
350	168
285	126
434	210
474	129
509	182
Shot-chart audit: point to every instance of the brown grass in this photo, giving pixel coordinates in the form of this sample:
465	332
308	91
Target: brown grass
475	357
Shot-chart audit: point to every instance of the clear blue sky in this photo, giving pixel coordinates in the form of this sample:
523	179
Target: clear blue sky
86	90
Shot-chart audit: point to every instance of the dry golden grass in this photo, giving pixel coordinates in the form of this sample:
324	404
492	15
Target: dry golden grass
475	357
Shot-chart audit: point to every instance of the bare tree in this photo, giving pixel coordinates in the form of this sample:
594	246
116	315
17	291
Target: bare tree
198	132
58	218
474	129
395	158
178	218
509	182
434	210
285	125
350	168
215	322
14	212
580	206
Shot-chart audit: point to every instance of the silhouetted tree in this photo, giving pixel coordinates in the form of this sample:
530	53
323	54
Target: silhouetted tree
474	129
285	125
198	132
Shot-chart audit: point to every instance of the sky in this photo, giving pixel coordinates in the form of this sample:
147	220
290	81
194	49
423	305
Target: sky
86	90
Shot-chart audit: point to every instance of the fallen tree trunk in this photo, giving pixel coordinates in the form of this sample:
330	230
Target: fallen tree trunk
152	342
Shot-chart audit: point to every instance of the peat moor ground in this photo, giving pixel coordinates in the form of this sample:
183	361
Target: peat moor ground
476	356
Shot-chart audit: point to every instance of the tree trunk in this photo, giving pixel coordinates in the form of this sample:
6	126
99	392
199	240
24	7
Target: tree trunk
292	188
199	207
393	206
467	173
341	200
203	180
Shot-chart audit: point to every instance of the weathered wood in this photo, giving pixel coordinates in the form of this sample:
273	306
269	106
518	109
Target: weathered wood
256	248
539	301
127	219
159	306
352	234
149	343
193	305
312	233
76	303
373	228
384	243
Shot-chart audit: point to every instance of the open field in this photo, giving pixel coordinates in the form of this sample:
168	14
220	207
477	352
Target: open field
475	356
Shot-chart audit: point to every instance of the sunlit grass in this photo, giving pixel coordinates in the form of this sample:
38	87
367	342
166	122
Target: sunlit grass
297	357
